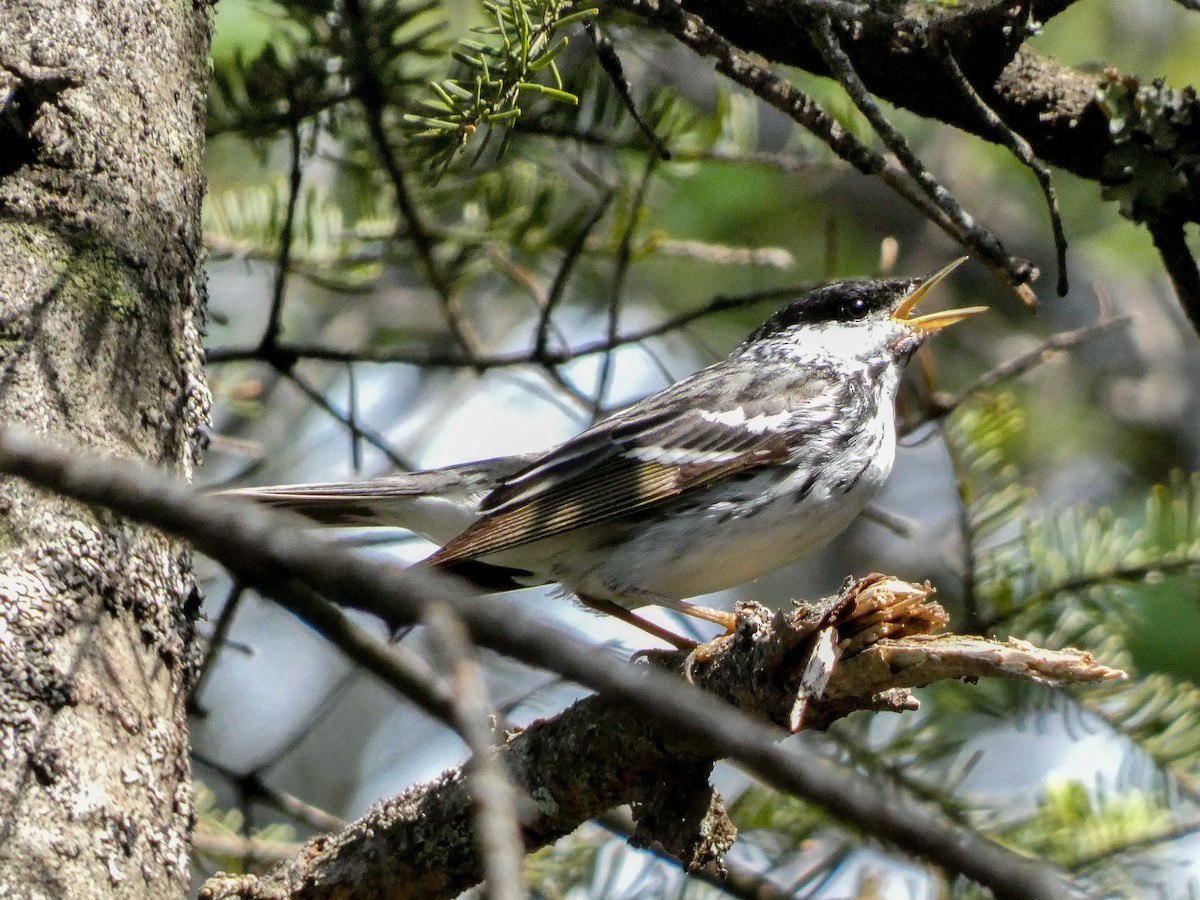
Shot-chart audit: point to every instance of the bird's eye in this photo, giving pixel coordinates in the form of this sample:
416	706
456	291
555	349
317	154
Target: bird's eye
858	308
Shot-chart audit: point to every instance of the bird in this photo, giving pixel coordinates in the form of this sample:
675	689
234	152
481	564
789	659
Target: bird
737	470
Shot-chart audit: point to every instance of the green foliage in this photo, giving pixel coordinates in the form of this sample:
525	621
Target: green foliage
1071	575
1078	577
759	809
309	63
1079	830
328	248
1067	576
211	819
1162	715
552	871
521	41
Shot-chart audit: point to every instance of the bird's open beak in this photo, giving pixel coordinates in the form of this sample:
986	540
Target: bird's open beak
933	322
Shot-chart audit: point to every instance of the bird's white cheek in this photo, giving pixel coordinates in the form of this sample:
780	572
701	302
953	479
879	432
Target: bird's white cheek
838	342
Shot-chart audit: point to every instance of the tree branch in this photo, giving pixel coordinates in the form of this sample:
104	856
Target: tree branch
1171	243
496	830
599	754
901	60
772	88
250	542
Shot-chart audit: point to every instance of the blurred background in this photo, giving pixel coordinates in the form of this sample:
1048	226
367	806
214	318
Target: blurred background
1032	507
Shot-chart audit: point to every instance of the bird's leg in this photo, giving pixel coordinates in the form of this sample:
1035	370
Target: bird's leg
611	608
725	619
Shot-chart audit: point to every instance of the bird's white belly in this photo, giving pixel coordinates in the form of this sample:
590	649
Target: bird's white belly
712	551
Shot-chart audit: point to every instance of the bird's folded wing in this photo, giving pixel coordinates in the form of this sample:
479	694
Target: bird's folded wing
622	466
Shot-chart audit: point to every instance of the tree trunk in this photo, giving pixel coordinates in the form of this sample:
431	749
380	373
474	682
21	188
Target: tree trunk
101	132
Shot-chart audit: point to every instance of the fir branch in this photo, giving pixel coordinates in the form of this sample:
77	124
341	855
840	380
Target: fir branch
327	248
522	41
254	544
1076	553
1161	714
1068	579
1071	824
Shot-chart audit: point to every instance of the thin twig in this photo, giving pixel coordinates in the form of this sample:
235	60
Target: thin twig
279	289
394	664
497	830
325	707
1073	584
735	880
620	270
725	255
691	30
259	122
1022	150
249	850
556	378
371	95
899	772
372	437
427	359
252	784
1085	863
791	163
942	405
562	276
610	62
352	419
969	564
982	241
215	644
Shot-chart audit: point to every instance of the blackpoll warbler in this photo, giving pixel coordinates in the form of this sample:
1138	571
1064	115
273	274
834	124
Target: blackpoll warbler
744	467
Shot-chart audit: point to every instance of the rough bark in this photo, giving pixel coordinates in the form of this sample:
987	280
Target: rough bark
101	117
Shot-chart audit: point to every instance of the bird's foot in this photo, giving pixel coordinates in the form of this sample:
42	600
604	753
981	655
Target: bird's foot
702	653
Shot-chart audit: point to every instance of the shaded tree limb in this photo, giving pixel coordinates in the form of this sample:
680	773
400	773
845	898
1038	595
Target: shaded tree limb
599	754
900	59
984	243
496	831
250	542
1043	111
749	71
1171	243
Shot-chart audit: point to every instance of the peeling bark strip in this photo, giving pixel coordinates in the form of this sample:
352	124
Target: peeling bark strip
862	649
101	116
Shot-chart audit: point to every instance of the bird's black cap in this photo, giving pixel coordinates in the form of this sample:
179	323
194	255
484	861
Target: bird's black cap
844	301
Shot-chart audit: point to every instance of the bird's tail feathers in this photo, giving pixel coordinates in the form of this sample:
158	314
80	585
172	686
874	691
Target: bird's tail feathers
436	504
